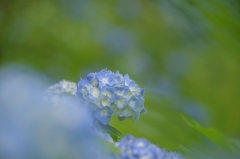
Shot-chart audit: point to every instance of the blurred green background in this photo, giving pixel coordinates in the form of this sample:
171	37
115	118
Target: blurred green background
186	53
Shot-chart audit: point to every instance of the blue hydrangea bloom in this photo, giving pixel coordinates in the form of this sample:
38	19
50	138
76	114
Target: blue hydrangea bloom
133	148
111	92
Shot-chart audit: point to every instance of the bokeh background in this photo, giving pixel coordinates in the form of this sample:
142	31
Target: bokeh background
186	53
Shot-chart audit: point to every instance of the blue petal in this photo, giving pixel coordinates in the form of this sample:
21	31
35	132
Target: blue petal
135	103
120	102
100	75
111	79
132	86
105	120
103	115
132	148
127	93
120	90
82	83
119	78
101	84
127	80
91	78
106	101
106	77
94	93
108	92
142	92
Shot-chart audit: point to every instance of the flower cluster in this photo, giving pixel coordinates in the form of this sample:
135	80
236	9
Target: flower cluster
63	87
106	93
133	148
69	130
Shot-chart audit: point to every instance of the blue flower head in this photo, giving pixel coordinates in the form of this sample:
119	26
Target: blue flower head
133	148
106	93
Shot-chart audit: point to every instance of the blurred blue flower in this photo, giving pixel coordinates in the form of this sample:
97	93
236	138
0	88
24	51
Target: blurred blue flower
63	87
106	93
103	115
61	92
134	148
33	128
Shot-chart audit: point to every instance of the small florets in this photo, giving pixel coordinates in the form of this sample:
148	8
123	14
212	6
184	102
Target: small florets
134	148
118	94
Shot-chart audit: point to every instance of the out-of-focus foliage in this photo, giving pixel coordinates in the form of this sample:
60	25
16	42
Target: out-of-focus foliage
184	52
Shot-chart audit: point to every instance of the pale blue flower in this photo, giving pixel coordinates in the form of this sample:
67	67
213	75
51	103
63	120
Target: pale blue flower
135	103
127	80
134	148
94	93
139	92
106	101
103	115
121	102
106	90
127	93
92	79
119	79
60	90
34	128
106	77
120	90
84	86
62	87
133	86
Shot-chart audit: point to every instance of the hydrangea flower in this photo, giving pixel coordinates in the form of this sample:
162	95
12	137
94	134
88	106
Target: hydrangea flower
134	148
63	87
107	93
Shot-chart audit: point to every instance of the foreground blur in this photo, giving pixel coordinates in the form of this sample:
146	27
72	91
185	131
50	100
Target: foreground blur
31	127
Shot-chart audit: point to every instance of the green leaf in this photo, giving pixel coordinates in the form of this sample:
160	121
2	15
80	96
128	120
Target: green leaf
113	132
213	134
